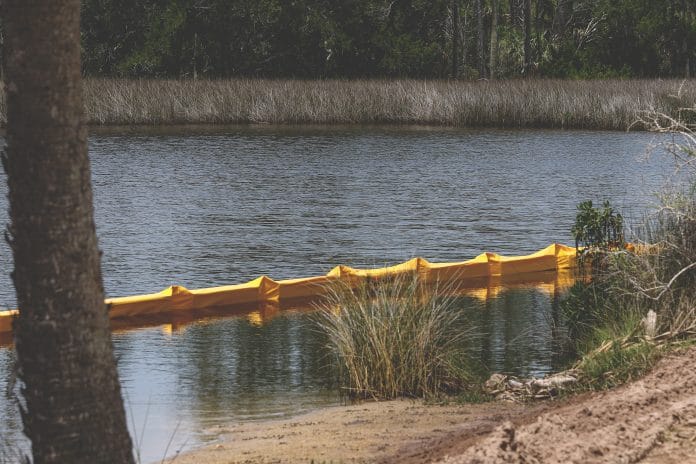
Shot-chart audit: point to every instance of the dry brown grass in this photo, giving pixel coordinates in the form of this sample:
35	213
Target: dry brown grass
600	104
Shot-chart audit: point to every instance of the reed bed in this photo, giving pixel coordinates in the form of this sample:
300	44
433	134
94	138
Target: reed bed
542	103
396	337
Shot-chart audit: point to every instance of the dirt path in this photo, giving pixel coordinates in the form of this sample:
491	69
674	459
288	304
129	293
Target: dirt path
652	420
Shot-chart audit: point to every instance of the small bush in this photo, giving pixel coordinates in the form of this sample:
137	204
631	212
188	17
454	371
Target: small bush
591	303
396	337
598	229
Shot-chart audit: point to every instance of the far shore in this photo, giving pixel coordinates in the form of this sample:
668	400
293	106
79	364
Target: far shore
612	104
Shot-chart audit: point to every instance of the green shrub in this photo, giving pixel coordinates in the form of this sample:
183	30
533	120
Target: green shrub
598	229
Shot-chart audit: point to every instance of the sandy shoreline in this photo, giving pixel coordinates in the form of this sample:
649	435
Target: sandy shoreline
652	420
368	432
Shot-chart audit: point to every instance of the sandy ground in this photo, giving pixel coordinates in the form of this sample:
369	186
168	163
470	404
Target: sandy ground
652	420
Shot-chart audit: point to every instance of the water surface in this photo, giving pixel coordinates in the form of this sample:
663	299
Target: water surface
213	207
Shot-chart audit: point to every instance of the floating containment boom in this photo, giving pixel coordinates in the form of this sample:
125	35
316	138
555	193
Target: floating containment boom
555	257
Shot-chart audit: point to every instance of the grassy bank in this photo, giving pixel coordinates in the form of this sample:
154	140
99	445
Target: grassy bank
639	304
600	104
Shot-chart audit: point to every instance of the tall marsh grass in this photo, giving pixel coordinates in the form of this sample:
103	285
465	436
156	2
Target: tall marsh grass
597	104
396	337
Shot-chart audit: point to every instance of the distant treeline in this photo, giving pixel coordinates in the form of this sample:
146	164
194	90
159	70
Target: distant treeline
389	38
468	39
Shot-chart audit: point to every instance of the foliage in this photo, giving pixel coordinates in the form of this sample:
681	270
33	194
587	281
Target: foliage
607	316
527	103
598	230
396	337
583	309
381	38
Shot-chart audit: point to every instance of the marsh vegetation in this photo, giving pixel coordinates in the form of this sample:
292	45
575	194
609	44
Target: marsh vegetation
535	103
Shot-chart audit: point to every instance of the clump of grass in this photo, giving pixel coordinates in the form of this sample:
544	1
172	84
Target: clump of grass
618	363
396	337
474	396
661	275
608	334
597	104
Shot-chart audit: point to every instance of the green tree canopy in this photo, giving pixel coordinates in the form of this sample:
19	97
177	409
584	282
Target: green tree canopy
388	38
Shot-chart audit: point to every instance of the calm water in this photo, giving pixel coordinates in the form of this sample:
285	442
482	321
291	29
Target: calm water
227	205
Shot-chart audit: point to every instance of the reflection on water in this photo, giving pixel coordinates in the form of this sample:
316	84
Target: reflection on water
227	206
214	372
521	332
183	380
201	375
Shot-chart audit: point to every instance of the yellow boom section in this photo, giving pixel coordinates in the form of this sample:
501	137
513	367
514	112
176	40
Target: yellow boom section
555	257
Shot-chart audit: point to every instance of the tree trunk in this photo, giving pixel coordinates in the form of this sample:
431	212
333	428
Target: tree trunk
686	21
564	9
195	58
455	39
537	27
527	23
492	68
481	39
74	411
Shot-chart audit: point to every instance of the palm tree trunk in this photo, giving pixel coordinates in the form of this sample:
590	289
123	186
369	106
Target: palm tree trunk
74	411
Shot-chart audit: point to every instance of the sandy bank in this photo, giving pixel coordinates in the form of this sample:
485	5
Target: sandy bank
652	420
649	420
366	432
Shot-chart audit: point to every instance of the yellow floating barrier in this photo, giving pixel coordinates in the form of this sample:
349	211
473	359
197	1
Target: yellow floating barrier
6	319
478	273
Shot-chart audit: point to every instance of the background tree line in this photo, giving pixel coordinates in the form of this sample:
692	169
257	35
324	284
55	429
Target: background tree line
390	38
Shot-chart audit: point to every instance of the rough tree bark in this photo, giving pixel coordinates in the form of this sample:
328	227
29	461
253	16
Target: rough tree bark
74	411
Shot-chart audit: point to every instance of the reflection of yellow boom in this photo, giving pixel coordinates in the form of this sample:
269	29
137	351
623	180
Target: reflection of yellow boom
484	273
